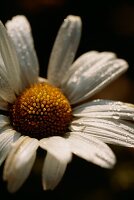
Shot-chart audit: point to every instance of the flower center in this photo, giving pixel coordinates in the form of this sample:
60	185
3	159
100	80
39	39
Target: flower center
41	111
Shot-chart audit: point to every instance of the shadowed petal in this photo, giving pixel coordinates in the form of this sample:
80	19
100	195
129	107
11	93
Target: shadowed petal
7	138
111	131
4	120
10	60
88	80
19	162
57	158
6	90
20	32
91	149
3	104
64	49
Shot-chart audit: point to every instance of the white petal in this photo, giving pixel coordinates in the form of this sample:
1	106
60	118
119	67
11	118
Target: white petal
91	149
20	32
58	156
19	162
10	60
111	131
4	120
105	109
7	138
87	80
64	49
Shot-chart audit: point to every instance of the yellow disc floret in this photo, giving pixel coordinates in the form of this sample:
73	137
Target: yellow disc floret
41	111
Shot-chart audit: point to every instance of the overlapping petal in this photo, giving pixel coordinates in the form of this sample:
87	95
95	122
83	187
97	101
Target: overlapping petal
10	60
83	63
101	108
20	32
64	49
7	138
91	149
57	158
111	131
93	75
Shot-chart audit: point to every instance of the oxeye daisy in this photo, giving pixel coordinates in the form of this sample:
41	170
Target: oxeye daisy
56	113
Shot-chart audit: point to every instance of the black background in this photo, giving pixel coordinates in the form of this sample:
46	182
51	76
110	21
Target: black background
107	26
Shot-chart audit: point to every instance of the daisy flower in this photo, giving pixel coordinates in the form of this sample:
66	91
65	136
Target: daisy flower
56	114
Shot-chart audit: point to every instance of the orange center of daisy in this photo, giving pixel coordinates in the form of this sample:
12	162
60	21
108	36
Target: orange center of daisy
41	111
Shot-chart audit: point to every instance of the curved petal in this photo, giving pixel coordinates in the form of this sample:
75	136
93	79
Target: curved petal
10	60
19	162
111	131
101	108
7	138
89	79
91	149
20	32
57	158
64	49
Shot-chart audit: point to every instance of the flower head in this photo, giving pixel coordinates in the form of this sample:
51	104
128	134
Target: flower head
56	114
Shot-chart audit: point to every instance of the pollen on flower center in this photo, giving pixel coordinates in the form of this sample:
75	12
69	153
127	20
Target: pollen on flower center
41	111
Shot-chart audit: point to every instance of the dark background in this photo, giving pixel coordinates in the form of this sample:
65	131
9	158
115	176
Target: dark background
107	26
